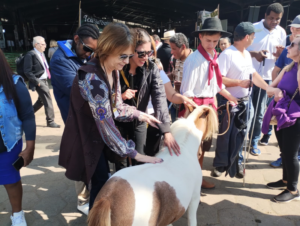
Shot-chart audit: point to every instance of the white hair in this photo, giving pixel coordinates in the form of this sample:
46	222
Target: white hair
36	40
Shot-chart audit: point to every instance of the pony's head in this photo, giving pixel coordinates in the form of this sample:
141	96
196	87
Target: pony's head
205	120
201	122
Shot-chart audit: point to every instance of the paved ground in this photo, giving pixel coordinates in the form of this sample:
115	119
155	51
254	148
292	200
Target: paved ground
49	198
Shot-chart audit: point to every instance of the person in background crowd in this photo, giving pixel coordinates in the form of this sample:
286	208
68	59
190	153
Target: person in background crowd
37	71
164	52
236	65
139	80
157	41
289	137
153	134
95	102
16	115
268	44
202	79
52	49
224	43
281	62
180	51
71	54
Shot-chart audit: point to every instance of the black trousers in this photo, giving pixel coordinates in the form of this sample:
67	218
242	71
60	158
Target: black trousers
44	100
99	178
289	141
154	137
137	134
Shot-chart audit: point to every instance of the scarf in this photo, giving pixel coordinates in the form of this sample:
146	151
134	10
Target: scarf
212	64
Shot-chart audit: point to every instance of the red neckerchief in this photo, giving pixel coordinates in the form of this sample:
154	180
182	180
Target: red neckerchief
212	64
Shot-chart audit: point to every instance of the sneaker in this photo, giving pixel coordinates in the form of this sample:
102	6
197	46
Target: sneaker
278	185
255	151
240	173
18	219
53	125
84	208
277	163
216	172
264	140
286	196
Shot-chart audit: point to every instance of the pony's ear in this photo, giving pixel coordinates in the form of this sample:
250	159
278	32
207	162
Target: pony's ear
188	111
205	119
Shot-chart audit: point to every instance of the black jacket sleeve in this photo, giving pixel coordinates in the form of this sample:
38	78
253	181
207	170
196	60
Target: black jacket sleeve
159	101
25	111
28	69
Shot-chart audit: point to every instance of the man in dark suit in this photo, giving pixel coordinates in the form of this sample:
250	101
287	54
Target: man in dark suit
36	70
164	52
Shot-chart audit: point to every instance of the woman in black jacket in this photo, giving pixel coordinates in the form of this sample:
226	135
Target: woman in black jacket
140	80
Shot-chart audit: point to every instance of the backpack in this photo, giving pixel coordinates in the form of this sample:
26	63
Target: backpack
20	66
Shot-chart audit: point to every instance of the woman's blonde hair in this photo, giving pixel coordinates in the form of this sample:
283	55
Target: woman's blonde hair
291	65
53	43
116	37
153	47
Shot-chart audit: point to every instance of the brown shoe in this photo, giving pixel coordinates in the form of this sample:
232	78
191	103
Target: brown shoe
207	185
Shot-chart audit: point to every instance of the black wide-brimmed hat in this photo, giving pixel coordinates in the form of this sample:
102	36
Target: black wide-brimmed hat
212	24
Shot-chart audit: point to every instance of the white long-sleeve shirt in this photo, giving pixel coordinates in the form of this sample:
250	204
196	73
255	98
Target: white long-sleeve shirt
195	77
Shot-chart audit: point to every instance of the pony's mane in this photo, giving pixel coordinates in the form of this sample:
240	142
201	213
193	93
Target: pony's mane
183	128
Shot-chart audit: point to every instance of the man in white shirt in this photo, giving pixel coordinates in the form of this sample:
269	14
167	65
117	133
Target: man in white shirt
202	79
268	44
236	65
37	71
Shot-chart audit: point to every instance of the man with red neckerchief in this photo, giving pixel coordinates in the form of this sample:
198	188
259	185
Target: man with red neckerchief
202	78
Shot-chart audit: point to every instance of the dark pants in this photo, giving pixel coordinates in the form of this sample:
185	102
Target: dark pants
137	134
44	100
154	137
289	141
99	178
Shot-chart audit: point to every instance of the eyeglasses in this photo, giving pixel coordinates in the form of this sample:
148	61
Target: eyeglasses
124	56
86	48
292	44
144	53
43	44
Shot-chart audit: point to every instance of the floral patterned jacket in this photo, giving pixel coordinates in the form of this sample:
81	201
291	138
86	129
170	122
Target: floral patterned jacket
96	92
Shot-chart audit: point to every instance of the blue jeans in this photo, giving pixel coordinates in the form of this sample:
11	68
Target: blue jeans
223	101
261	104
173	113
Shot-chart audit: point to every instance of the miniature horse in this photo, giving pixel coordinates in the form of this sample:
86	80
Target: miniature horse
158	194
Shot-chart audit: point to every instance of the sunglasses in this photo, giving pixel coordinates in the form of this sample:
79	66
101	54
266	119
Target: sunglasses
124	56
293	44
144	53
86	48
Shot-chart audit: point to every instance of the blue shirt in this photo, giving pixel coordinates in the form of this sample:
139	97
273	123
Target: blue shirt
282	61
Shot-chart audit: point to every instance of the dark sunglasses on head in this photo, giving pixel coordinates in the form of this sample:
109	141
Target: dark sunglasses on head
86	48
144	53
124	56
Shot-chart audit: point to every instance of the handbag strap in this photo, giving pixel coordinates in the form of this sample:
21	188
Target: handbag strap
293	97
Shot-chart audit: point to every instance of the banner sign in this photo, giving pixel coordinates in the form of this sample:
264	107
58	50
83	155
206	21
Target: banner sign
101	23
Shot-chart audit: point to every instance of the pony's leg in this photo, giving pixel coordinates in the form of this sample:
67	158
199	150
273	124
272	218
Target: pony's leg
192	210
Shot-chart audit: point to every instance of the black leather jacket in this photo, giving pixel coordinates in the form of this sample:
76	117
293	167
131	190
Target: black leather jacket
151	85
